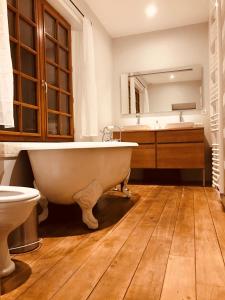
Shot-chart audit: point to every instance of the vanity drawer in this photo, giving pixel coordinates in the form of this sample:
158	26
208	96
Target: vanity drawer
180	156
141	137
180	136
143	157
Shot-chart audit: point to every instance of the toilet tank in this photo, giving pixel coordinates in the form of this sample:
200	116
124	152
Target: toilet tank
15	168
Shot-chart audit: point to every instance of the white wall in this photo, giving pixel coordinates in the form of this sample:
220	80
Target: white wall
163	95
177	47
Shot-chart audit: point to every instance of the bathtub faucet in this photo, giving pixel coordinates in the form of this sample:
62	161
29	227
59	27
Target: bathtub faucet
107	133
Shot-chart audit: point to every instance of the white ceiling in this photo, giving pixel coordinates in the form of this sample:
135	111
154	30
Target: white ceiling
127	17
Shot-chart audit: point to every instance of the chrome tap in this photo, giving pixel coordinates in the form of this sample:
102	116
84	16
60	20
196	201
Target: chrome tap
107	133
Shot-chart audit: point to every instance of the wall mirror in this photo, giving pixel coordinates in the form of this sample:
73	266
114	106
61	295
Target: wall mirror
163	90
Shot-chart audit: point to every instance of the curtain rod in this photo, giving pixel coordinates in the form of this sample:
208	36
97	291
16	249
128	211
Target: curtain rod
77	8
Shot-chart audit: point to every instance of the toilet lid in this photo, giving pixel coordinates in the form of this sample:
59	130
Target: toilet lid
17	193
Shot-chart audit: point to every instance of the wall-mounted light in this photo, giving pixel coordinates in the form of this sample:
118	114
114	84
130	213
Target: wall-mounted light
172	76
151	10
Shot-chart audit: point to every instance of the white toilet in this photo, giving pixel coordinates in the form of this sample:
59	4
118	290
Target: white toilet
16	204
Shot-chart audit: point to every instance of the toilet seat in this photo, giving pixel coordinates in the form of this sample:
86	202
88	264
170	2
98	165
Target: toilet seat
16	193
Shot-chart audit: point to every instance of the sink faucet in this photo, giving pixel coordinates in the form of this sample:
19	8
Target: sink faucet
181	116
138	116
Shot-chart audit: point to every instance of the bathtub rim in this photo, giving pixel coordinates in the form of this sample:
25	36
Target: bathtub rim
12	149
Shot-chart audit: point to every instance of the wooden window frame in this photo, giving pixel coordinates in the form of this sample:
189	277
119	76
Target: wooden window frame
49	137
40	6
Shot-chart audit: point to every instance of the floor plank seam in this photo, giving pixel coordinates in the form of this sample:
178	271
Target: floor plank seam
171	245
119	250
196	291
145	249
81	242
30	287
166	243
39	258
159	220
139	203
211	214
209	258
18	256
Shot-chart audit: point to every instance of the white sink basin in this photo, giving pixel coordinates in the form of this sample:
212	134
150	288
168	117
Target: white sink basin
135	127
180	125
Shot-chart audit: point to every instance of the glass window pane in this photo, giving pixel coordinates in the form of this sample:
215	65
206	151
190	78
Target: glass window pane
51	50
52	99
27	8
51	72
29	120
11	22
27	34
50	25
53	126
62	36
29	94
28	63
63	58
65	125
12	2
16	117
15	85
64	80
16	120
64	103
13	54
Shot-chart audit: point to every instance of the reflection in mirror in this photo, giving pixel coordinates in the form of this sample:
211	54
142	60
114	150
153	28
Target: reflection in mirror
162	90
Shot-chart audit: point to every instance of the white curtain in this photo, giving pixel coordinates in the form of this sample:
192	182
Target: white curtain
6	70
132	96
146	100
89	103
124	94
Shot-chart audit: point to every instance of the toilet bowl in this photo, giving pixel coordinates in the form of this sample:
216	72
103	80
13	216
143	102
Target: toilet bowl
16	204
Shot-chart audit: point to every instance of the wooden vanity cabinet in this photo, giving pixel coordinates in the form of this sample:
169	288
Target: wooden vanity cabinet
140	137
180	156
167	149
144	156
180	149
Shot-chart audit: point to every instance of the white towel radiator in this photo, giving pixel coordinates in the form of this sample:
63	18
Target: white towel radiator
217	90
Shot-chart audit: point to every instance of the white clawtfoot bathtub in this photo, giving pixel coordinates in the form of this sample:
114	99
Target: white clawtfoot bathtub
79	172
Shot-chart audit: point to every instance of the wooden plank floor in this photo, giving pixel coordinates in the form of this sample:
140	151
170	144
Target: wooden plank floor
165	243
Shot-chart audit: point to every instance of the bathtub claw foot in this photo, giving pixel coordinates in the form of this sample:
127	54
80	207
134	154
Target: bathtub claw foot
44	206
43	202
124	187
86	199
127	193
89	219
